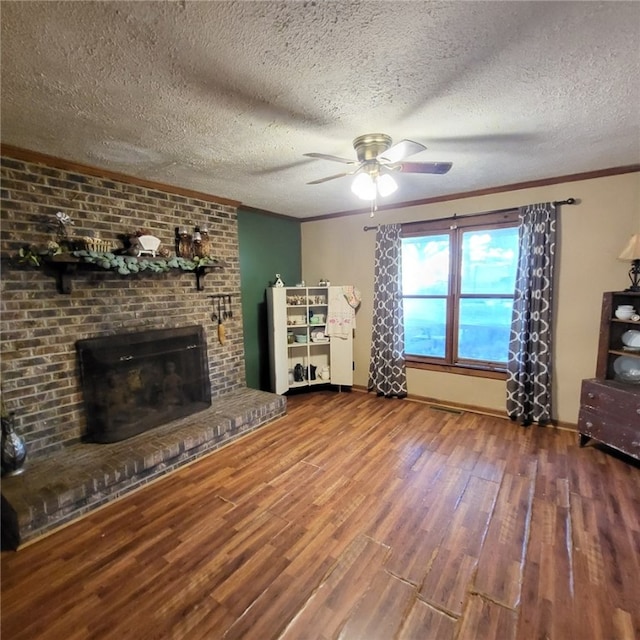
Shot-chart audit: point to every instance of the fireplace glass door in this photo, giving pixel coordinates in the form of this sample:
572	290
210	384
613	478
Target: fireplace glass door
136	381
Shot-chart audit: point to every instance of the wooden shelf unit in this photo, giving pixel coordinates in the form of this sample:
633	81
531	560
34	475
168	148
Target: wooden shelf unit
294	364
609	406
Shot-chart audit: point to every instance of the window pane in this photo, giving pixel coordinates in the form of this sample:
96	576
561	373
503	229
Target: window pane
425	265
489	261
483	331
425	326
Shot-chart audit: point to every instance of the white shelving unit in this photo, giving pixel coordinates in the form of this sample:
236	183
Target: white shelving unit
299	355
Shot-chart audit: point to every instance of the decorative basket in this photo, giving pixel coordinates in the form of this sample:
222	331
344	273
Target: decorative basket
97	244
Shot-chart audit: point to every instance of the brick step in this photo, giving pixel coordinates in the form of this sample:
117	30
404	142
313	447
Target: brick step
54	490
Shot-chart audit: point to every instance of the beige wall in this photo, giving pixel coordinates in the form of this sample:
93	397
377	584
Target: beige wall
591	235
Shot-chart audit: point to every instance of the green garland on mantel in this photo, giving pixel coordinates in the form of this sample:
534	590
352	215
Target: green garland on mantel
126	265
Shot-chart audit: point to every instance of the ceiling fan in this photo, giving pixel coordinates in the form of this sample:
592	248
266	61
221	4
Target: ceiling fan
376	160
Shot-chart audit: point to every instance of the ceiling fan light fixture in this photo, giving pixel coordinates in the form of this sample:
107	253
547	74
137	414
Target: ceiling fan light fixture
364	186
377	158
368	187
386	185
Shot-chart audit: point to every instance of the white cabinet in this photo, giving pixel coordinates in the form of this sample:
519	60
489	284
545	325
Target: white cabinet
300	353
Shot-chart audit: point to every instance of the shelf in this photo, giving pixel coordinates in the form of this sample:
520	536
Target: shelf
622	352
66	265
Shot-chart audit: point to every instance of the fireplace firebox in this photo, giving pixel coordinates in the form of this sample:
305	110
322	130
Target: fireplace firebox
133	382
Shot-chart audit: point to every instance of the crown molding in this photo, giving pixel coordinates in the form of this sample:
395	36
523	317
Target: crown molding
573	177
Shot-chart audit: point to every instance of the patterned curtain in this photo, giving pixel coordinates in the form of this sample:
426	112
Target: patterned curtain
530	355
387	373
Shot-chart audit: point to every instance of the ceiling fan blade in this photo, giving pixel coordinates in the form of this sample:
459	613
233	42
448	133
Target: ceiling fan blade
321	180
424	167
401	150
324	156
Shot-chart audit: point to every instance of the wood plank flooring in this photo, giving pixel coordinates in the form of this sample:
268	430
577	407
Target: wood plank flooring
354	517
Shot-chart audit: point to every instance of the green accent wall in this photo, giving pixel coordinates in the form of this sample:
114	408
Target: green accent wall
269	244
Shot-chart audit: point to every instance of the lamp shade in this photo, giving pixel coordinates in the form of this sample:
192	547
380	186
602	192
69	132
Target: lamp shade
632	250
364	186
386	185
367	186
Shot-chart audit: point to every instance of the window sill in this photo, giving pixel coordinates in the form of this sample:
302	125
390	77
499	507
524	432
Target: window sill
458	369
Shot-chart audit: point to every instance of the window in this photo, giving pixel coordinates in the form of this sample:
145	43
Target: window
458	281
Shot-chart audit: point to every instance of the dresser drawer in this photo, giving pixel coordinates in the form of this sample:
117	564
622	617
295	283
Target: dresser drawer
610	413
619	402
607	429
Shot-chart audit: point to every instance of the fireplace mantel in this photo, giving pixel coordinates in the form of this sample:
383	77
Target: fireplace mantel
66	265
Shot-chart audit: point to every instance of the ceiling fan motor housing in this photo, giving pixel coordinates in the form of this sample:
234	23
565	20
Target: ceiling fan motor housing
371	145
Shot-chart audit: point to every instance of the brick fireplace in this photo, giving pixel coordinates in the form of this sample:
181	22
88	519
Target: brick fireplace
40	370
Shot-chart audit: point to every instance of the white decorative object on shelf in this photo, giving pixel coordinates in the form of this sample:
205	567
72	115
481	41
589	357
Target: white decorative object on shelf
317	335
624	311
627	369
148	245
631	338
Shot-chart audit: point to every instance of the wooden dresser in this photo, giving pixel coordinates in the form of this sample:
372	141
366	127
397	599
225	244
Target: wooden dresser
610	413
610	407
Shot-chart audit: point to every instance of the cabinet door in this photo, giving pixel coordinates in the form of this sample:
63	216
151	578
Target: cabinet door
277	320
341	353
341	356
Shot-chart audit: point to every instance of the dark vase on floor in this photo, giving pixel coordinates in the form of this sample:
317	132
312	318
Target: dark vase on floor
13	451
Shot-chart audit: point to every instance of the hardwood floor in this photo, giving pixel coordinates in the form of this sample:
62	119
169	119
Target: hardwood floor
353	517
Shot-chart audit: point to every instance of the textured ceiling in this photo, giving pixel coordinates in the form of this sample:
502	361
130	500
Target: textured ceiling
226	97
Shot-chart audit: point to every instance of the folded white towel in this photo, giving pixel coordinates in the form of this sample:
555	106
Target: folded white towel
341	316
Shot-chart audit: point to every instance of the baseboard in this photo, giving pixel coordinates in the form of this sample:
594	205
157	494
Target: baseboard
458	406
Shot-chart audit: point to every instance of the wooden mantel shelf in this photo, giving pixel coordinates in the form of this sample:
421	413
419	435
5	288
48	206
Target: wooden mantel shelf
65	266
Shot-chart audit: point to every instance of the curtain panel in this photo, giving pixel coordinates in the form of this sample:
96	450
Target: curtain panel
529	367
387	372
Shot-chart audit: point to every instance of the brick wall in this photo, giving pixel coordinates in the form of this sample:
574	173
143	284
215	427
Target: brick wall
39	326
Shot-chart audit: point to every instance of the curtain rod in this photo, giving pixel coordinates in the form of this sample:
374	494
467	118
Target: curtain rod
555	203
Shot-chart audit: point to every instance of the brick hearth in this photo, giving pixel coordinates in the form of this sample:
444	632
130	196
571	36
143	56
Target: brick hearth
82	477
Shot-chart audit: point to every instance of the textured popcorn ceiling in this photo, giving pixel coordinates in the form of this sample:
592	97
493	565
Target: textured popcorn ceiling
225	97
